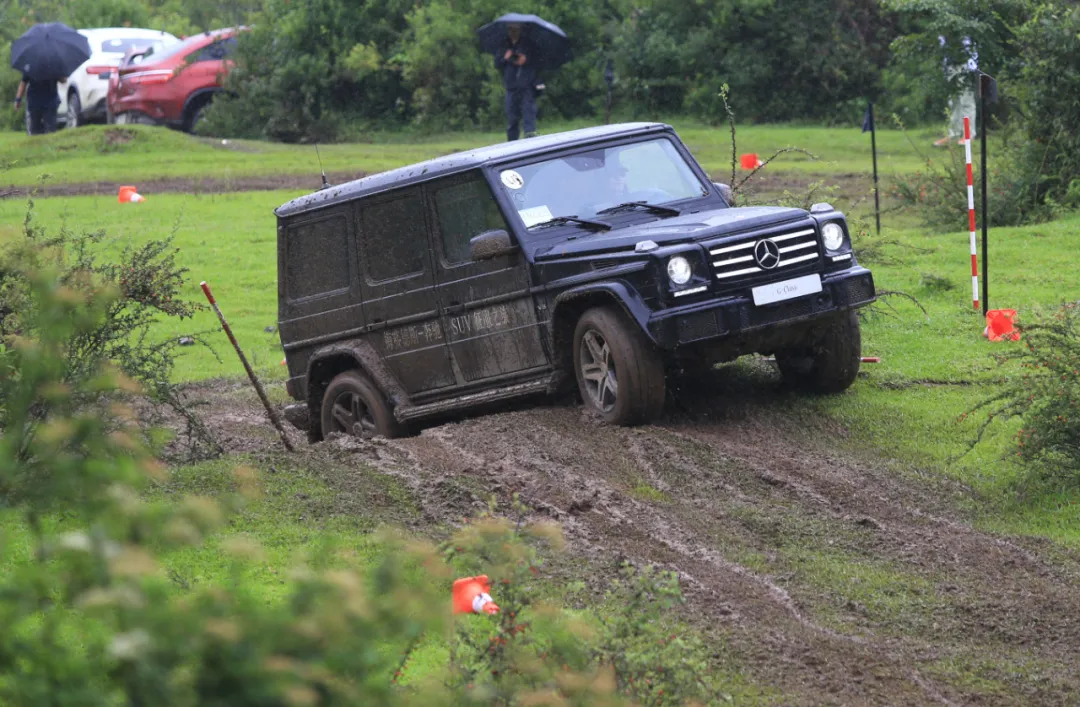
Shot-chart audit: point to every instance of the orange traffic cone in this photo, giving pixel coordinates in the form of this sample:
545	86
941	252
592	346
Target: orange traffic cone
999	325
749	161
129	195
471	596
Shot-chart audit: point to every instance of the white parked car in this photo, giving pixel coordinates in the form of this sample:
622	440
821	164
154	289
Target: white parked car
82	97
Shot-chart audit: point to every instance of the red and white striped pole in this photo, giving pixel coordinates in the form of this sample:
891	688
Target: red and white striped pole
971	213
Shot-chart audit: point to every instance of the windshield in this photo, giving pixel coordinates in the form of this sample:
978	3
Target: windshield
585	184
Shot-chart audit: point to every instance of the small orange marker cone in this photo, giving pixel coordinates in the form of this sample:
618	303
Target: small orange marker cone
129	195
749	161
471	596
1000	325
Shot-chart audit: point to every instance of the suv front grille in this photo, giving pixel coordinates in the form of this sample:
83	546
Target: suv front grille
736	261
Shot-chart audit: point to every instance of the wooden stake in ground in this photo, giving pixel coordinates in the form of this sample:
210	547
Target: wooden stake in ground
251	374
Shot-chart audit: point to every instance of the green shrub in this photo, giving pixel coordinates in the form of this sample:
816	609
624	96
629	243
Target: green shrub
1046	82
1045	394
147	281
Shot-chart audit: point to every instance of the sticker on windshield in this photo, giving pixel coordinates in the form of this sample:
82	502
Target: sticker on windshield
511	179
535	215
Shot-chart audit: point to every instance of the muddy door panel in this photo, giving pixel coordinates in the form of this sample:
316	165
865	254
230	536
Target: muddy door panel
318	286
400	303
488	311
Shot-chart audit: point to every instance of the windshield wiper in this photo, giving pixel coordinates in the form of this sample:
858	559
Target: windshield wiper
561	220
655	208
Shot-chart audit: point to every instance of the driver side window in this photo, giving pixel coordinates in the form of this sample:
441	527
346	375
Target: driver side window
465	209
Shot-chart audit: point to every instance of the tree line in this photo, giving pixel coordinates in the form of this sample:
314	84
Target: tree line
312	69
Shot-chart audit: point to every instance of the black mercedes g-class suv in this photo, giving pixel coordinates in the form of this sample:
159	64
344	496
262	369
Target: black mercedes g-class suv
602	256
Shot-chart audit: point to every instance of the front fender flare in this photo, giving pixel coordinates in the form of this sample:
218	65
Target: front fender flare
621	291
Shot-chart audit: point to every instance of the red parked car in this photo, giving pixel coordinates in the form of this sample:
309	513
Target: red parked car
173	86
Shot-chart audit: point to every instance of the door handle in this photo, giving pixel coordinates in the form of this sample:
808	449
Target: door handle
454	308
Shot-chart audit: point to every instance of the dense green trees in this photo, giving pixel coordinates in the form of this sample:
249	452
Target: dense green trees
317	69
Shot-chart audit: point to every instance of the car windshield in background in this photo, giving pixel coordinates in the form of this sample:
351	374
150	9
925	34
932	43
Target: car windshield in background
585	184
121	45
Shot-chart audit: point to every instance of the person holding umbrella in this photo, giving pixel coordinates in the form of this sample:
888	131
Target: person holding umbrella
45	54
523	46
519	80
42	101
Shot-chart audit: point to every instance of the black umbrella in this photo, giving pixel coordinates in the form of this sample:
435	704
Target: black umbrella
49	52
552	45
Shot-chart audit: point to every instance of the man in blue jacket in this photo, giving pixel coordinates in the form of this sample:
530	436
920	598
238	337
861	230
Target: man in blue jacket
519	79
42	100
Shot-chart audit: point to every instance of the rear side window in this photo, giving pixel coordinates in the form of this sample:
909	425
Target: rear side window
465	210
394	235
217	51
317	256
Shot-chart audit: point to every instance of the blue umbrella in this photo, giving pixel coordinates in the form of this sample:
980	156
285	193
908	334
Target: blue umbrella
49	52
552	45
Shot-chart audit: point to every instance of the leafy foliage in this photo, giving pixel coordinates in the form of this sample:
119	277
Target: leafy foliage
1046	395
1047	87
146	283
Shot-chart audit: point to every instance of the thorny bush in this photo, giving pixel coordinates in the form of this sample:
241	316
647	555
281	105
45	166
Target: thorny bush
90	616
1045	395
145	282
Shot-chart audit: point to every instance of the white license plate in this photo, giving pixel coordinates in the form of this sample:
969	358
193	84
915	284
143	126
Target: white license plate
788	289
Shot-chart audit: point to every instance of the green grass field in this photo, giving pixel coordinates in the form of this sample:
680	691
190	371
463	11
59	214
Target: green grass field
131	154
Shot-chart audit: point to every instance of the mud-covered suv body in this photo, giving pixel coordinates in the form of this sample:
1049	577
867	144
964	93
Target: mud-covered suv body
433	288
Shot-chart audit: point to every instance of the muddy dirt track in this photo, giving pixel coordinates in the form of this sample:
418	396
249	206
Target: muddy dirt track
830	577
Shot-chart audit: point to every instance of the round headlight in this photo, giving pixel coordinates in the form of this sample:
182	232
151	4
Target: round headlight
679	270
833	235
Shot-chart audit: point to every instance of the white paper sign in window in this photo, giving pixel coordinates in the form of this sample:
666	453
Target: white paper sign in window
535	215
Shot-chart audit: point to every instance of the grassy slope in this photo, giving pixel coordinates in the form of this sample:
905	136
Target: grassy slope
93	155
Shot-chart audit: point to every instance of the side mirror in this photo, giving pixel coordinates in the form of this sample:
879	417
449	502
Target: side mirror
725	192
490	244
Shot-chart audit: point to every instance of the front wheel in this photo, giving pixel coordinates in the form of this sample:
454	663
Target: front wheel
353	405
619	372
831	363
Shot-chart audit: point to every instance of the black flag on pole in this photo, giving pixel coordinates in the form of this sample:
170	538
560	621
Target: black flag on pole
868	127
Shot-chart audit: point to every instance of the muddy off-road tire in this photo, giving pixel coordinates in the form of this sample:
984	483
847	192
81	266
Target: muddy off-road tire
353	405
620	374
830	364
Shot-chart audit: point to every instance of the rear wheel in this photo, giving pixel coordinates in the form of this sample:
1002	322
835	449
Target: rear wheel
354	406
831	363
74	110
619	372
196	113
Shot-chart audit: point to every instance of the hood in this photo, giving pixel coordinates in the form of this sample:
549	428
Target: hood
668	231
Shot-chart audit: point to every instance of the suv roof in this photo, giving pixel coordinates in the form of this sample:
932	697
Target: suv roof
460	162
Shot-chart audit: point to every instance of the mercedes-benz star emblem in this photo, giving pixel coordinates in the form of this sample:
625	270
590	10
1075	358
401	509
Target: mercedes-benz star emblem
767	254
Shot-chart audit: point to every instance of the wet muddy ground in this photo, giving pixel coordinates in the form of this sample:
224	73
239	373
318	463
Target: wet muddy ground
833	577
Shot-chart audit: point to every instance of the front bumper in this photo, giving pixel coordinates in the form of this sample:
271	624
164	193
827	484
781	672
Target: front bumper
736	316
